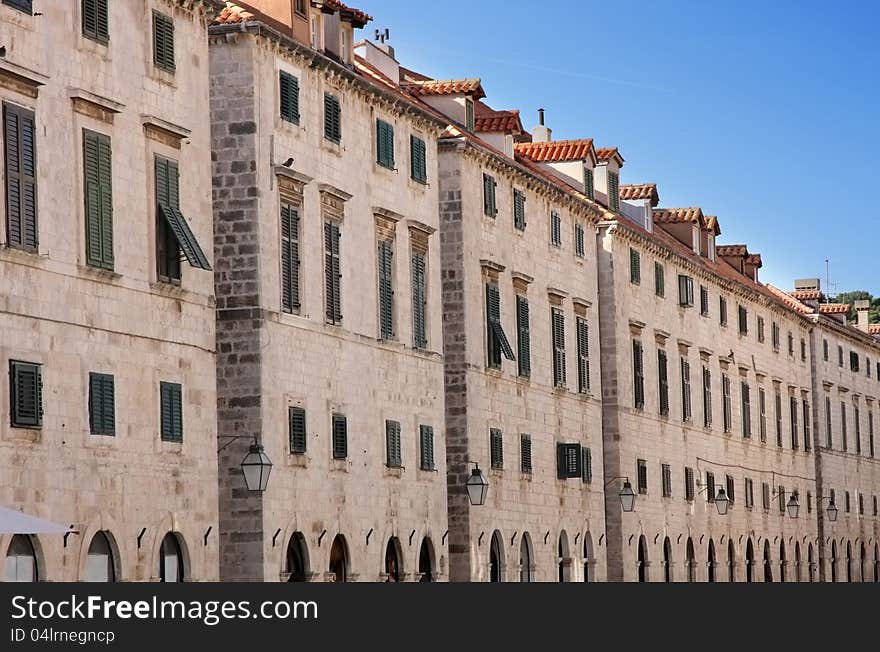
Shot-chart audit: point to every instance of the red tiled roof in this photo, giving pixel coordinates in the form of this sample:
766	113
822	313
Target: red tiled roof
357	17
834	308
807	295
488	119
446	87
732	250
557	150
712	224
607	153
234	13
676	215
789	300
874	329
640	191
754	259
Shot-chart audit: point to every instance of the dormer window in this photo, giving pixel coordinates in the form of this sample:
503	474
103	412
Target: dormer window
469	113
588	182
343	46
613	191
316	32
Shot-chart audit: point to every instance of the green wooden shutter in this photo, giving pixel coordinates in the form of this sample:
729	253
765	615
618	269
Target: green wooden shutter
332	273
635	266
419	300
558	330
519	209
332	118
384	144
163	41
663	381
289	97
95	20
579	240
525	453
98	191
386	289
496	449
27	394
583	353
555	229
392	444
642	471
746	406
489	207
171	411
102	409
638	376
659	280
685	390
297	429
523	337
340	436
493	315
688	483
588	182
23	5
426	448
19	134
586	465
707	397
290	301
418	159
613	191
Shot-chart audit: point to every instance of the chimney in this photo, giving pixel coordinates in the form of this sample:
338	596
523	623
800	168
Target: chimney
862	309
380	55
541	133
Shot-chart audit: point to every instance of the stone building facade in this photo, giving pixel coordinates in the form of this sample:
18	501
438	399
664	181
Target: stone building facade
109	411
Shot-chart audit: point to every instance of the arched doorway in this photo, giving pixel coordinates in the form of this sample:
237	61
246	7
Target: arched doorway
642	559
339	563
797	561
710	566
496	558
525	558
849	562
426	561
564	558
731	561
297	558
877	562
750	562
667	560
21	560
834	560
783	561
171	563
863	558
768	562
589	559
393	563
810	563
100	565
690	561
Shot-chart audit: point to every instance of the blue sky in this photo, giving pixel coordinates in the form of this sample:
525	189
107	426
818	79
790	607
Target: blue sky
765	114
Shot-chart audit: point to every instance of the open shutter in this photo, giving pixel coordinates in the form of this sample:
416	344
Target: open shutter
20	151
332	273
523	336
496	449
386	289
289	96
297	426
638	375
290	258
586	465
583	344
27	394
663	381
558	328
419	300
568	461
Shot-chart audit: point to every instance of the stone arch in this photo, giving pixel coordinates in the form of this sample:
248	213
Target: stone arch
768	562
22	559
750	561
297	566
643	561
427	563
392	567
339	562
711	562
496	558
564	559
526	559
589	558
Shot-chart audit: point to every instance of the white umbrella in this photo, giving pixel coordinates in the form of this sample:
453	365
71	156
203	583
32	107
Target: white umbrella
15	522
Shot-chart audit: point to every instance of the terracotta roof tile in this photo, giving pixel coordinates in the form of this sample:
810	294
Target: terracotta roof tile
676	215
712	224
234	13
446	87
789	300
732	250
640	191
874	329
834	308
754	259
607	153
487	119
557	150
358	17
807	295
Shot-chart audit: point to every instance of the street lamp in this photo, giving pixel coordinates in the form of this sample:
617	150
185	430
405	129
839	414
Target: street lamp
722	502
477	486
256	467
832	511
627	496
793	506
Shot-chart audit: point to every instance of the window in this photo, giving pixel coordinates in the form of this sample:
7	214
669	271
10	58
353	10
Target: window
685	291
730	489
829	438
613	191
762	406
874	510
765	496
568	461
497	343
685	390
173	235
871	432
722	311
579	243
20	155
809	502
289	97
778	406
743	315
746	404
853	361
638	376
426	448
846	502
843	428
519	209
469	114
102	415
825	350
296	419
666	475
750	493
419	299
26	381
384	144
857	423
392	444
558	331
171	409
725	394
775	336
806	410
588	182
761	329
555	229
587	466
99	560
790	344
635	266
803	349
22	5
21	560
332	118
583	355
861	504
300	7
659	280
490	208
163	41
339	427
780	494
290	261
525	453
688	483
332	273
663	382
704	301
642	473
385	266
707	397
496	449
524	364
95	19
710	487
418	159
840	356
171	568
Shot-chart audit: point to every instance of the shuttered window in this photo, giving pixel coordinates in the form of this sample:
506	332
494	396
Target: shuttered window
289	97
173	234
710	487
102	409
419	300
22	5
663	382
332	273
781	497
497	342
725	397
686	412
778	415
730	489
568	461
870	431
392	444
761	329
857	422
489	206
844	434
666	477
749	493
807	418
613	191
20	154
297	429
418	155
829	432
588	182
171	411
638	376
765	496
688	483
659	280
290	258
579	240
519	209
332	118
163	41
762	407
98	192
469	114
557	325
583	353
743	318
384	144
586	465
426	448
746	405
523	337
496	449
775	336
525	453
385	266
555	229
339	427
707	397
722	311
642	472
793	415
26	395
95	20
704	301
635	266
685	291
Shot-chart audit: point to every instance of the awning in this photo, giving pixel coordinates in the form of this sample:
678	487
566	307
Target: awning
189	246
13	521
